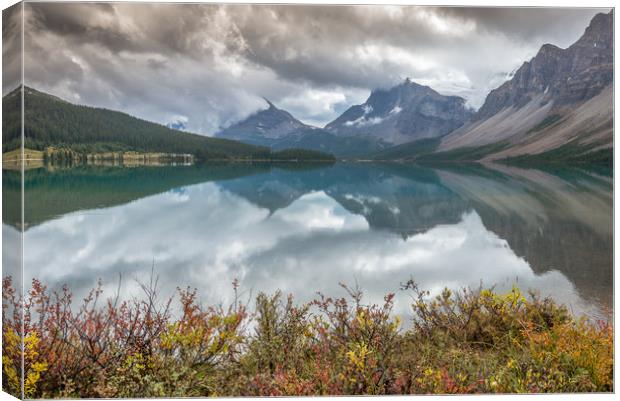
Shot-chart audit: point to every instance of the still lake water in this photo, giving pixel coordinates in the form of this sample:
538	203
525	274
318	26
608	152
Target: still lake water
305	228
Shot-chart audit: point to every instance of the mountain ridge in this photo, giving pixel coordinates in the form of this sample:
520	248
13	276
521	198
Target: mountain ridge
52	121
550	70
559	97
402	113
270	123
278	129
361	129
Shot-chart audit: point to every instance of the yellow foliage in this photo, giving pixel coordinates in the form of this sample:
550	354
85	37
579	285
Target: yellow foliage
12	362
11	356
358	355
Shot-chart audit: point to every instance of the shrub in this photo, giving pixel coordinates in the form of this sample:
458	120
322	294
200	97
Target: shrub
470	341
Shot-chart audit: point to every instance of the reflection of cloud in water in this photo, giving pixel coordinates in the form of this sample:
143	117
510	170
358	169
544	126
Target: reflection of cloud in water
11	254
318	211
204	237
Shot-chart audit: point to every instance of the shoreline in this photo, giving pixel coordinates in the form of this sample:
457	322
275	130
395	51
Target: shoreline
35	159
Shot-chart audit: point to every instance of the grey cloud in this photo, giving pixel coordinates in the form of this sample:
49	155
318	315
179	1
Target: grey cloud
213	63
120	27
529	23
318	44
156	64
83	22
11	48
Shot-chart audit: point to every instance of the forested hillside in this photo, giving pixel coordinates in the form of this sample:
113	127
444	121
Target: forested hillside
51	121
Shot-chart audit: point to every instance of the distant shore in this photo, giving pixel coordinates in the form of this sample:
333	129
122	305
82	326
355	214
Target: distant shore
58	155
36	158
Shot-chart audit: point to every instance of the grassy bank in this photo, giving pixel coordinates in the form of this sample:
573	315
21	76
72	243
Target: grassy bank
473	341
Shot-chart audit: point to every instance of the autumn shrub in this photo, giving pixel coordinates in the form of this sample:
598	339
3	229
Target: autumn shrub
359	342
11	339
469	341
479	341
344	347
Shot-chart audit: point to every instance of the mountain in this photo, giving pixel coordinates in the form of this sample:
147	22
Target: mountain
264	126
278	129
558	105
51	121
404	113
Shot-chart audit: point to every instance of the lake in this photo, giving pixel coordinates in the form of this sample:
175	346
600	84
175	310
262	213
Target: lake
304	229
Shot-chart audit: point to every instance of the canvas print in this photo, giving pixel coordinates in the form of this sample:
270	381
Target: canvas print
218	200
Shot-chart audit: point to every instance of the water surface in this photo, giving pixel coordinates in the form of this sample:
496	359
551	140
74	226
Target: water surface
305	228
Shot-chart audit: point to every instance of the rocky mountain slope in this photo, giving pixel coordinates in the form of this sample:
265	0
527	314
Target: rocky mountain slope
401	114
263	126
404	113
561	101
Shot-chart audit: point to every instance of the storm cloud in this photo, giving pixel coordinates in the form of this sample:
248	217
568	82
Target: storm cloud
210	65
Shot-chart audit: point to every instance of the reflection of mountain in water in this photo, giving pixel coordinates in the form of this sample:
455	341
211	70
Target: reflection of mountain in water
398	198
559	220
556	221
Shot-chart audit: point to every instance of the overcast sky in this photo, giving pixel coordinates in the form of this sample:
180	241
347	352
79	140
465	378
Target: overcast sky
209	65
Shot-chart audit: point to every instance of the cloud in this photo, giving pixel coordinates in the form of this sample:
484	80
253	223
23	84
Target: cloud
320	105
527	23
11	48
213	63
178	122
11	254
